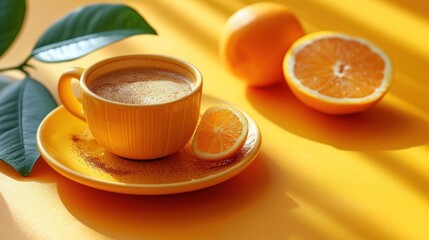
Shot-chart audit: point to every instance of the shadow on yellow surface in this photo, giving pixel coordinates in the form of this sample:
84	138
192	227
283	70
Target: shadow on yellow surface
416	6
338	208
9	230
173	215
10	225
402	169
382	128
182	20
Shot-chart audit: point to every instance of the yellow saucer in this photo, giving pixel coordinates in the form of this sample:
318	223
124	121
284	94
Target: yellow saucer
68	147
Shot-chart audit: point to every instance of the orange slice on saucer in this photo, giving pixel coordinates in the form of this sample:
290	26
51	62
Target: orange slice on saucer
221	133
336	73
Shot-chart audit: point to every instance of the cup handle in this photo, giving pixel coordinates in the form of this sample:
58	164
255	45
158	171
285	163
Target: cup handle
68	99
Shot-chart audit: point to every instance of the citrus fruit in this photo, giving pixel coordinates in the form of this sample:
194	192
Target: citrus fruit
221	133
336	73
255	39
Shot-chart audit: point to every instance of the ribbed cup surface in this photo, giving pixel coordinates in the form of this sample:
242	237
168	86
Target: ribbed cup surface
142	132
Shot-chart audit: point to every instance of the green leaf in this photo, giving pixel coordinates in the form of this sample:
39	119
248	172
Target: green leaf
4	82
12	13
87	29
23	105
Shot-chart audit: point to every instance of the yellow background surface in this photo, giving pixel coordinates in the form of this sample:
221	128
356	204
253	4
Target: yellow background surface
363	176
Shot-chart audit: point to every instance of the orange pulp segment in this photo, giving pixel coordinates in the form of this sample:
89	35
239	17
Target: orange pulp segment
336	73
221	133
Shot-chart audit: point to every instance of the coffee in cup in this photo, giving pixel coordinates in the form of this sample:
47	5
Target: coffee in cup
142	86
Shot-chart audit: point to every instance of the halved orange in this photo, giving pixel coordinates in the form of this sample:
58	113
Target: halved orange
336	73
221	133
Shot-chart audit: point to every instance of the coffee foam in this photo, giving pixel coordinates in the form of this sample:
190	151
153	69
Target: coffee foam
142	86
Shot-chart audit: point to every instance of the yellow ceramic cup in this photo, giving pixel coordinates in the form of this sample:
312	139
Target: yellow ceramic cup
134	131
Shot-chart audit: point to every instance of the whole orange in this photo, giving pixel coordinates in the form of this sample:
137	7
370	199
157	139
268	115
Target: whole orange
255	40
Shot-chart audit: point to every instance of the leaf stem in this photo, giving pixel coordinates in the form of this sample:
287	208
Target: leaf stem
21	67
